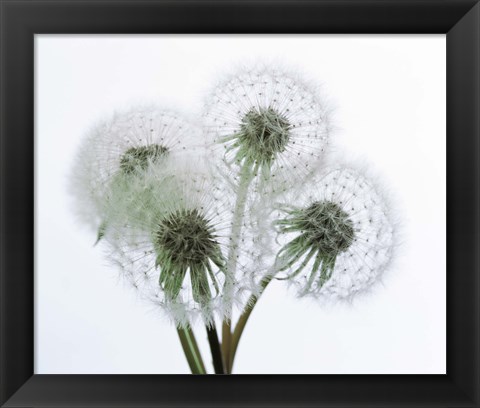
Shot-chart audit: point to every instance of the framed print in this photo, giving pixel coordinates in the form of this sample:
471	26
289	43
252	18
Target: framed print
167	166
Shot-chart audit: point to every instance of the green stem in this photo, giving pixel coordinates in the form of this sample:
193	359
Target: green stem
245	178
226	342
242	321
191	350
215	349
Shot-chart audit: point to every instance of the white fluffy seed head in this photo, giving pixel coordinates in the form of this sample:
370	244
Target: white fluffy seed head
270	119
121	149
336	238
173	250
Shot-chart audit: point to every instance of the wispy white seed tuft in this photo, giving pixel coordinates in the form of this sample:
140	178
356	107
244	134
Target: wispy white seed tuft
115	154
336	238
270	120
173	248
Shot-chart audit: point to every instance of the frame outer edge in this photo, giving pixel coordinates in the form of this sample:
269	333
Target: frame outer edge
9	385
463	201
16	198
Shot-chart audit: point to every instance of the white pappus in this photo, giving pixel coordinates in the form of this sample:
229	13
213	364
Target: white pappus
269	121
336	237
116	152
173	249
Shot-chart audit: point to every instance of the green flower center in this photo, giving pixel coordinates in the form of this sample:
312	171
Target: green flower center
263	134
138	158
327	227
324	231
185	241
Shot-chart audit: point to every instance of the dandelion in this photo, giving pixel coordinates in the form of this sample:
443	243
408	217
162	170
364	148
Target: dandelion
174	253
336	238
268	121
116	153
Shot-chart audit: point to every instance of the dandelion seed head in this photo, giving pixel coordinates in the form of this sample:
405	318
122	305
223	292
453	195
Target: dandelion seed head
268	118
336	238
173	247
117	152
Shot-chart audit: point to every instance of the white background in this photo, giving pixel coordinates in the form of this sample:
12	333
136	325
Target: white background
389	98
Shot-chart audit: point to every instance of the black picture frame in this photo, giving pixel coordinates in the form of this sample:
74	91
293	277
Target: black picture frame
22	19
